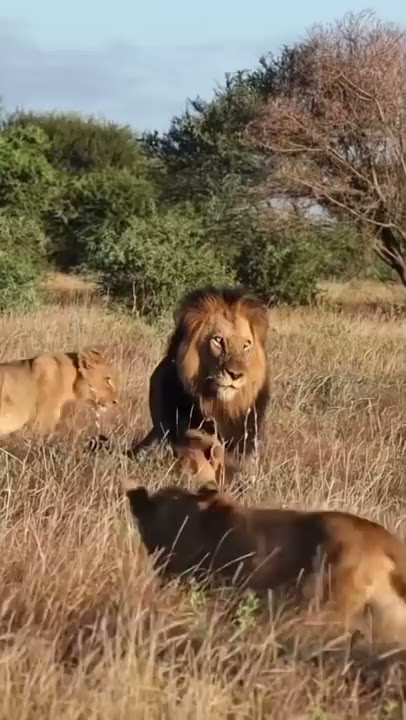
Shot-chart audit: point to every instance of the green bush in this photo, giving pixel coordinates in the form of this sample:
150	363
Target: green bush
280	260
78	144
22	260
91	203
155	260
27	180
347	251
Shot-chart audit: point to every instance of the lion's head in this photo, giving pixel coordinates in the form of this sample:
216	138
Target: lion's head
219	346
194	531
97	381
201	455
180	526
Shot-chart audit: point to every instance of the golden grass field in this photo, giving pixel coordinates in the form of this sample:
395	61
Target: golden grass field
86	630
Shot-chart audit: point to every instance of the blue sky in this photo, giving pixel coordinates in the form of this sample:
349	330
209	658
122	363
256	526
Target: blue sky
138	62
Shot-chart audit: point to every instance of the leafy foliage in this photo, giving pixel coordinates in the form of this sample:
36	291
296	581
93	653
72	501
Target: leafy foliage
81	145
27	180
22	259
155	260
202	148
94	203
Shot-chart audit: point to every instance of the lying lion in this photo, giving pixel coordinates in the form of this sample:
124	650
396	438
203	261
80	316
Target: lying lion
261	548
35	390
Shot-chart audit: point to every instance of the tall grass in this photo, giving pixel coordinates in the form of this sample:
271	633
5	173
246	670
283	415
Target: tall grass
87	631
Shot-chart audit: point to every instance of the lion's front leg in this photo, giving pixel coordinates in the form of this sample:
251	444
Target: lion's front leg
47	419
150	439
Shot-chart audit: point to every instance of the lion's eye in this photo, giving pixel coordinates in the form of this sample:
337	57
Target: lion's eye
108	381
247	344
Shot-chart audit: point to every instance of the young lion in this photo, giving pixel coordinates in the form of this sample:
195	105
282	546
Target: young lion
201	455
262	548
36	390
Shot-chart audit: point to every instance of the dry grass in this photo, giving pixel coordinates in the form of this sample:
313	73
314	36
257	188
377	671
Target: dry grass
387	297
85	629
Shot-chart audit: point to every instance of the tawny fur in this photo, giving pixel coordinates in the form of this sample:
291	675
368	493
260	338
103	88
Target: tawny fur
34	391
200	455
214	376
363	568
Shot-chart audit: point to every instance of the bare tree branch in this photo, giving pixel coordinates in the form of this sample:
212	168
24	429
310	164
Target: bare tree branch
340	139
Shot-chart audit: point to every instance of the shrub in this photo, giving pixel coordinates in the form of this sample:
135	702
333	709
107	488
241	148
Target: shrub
79	144
281	260
347	250
27	180
90	204
155	260
22	260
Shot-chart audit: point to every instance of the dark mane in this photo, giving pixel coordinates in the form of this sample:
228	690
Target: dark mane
226	295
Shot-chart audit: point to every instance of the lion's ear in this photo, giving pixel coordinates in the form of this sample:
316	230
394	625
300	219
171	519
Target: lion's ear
217	453
139	500
89	359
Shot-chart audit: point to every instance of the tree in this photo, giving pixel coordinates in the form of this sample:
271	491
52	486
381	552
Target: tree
202	148
336	130
80	145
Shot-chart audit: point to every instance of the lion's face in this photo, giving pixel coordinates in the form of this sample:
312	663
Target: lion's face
97	381
226	355
222	352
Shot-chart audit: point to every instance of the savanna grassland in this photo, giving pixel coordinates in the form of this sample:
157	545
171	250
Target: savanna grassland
86	631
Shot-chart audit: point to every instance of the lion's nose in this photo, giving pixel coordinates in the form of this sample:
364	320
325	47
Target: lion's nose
234	374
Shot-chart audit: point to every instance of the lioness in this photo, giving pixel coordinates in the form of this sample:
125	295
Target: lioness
261	548
214	375
35	390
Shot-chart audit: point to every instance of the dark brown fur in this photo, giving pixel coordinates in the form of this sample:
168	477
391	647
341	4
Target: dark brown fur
264	548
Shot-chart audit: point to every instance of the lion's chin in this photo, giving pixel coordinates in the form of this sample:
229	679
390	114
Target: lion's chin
226	393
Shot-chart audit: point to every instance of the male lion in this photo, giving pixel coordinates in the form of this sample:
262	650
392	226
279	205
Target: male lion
214	375
263	548
35	390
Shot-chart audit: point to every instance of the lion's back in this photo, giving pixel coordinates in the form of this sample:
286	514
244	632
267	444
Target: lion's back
18	395
26	385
